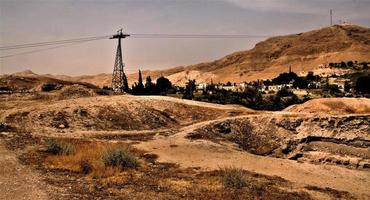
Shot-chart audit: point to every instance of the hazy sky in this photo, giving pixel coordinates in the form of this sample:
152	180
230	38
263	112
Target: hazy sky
29	21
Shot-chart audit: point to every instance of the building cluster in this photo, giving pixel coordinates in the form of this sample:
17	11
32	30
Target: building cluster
268	87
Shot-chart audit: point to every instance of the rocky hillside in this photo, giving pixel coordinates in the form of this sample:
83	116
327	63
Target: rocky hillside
303	51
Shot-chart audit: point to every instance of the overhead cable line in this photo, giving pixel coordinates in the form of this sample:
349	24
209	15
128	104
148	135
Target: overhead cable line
205	36
69	42
134	35
50	43
49	48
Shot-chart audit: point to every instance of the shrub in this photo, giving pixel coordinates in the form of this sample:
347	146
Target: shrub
120	157
284	92
47	87
103	92
85	166
233	178
56	147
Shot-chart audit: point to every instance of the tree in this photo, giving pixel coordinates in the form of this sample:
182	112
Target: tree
150	87
163	85
350	64
47	87
363	84
140	81
285	78
284	93
365	65
332	90
253	98
138	88
311	77
189	90
300	83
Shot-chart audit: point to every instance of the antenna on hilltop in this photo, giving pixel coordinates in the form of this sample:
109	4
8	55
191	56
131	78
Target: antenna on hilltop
331	17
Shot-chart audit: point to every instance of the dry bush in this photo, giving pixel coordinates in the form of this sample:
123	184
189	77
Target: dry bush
87	159
120	157
233	178
58	147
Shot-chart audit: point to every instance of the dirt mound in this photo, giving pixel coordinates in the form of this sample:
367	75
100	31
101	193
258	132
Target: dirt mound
108	113
341	140
333	106
76	91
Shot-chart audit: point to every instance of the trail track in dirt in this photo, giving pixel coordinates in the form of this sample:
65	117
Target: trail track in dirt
16	180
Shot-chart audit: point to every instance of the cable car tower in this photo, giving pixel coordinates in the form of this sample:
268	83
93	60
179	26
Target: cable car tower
119	79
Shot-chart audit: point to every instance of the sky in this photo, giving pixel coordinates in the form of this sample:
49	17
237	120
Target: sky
32	21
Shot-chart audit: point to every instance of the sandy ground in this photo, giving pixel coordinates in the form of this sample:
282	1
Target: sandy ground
16	180
209	156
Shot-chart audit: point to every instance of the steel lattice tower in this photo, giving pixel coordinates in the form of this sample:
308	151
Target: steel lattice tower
119	79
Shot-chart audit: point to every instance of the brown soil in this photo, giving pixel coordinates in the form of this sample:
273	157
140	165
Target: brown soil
182	146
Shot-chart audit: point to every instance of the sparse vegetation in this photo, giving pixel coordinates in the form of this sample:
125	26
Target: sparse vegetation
233	178
58	147
120	157
87	159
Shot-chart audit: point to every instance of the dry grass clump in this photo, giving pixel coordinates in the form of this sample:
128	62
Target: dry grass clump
120	157
233	178
57	147
96	159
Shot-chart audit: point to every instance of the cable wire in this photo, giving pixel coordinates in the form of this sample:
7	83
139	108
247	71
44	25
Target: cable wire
134	35
49	48
205	36
31	45
69	42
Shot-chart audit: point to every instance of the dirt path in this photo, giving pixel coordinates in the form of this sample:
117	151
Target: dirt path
211	156
17	181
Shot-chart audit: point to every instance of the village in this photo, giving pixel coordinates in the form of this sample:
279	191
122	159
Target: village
338	77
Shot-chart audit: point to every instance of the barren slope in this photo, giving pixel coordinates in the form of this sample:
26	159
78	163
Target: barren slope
27	80
333	106
108	113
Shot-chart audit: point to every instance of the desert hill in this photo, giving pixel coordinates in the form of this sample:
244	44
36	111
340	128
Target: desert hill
303	52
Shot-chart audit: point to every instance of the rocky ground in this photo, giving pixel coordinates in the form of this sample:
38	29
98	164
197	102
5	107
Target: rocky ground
183	147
